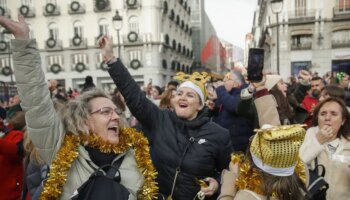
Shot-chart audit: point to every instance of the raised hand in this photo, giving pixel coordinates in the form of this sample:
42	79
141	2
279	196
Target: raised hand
18	28
304	75
106	46
325	134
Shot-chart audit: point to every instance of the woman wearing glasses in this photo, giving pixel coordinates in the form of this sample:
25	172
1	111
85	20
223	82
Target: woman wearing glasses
186	146
86	135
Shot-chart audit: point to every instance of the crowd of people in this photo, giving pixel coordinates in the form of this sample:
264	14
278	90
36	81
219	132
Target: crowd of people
195	138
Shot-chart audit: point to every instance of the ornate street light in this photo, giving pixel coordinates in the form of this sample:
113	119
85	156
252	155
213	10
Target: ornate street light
117	24
276	7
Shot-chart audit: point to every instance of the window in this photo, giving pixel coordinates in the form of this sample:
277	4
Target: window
4	62
80	58
134	24
301	65
3	36
174	44
341	37
301	42
343	5
31	32
341	66
103	27
3	4
135	55
51	1
78	28
27	2
53	31
167	39
55	60
99	58
300	7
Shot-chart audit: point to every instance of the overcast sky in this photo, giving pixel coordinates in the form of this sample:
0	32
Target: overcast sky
232	19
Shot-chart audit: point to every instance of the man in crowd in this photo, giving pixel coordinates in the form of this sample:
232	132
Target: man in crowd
311	98
345	84
228	96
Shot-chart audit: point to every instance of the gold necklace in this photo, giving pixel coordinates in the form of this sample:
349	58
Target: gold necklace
128	138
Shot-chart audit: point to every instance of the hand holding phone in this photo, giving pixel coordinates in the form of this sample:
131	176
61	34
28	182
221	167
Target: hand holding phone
255	64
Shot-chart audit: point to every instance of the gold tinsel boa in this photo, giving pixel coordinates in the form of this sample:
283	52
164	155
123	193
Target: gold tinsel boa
128	138
251	179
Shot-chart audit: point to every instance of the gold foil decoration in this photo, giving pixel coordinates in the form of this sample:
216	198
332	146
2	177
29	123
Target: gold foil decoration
128	138
202	183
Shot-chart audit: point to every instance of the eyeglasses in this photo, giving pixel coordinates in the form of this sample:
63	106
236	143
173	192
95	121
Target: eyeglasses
107	111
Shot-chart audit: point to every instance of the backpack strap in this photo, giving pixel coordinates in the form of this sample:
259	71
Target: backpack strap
317	168
114	172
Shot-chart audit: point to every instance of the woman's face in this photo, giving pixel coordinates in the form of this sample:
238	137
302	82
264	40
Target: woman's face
324	95
331	114
282	86
14	101
187	103
155	93
104	120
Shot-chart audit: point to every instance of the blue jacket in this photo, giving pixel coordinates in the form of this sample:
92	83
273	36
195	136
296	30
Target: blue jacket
240	127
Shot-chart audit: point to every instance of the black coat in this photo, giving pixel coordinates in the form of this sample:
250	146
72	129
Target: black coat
209	145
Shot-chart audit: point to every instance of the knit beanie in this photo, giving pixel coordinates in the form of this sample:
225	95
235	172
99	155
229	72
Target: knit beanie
272	80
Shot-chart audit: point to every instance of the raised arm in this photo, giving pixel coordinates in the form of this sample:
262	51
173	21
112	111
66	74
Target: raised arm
43	123
142	108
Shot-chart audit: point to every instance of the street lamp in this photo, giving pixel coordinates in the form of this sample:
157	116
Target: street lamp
276	7
117	24
5	31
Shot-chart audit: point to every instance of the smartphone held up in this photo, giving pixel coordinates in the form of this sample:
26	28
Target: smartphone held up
255	64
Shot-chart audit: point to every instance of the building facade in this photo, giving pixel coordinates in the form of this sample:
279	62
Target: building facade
153	41
203	31
313	35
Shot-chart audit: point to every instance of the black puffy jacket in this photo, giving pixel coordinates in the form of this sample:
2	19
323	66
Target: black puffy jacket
209	145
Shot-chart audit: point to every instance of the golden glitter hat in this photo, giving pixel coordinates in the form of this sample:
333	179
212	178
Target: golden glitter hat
275	150
196	81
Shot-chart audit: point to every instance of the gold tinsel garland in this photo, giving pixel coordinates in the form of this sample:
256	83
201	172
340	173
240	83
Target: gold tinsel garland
59	167
250	178
128	138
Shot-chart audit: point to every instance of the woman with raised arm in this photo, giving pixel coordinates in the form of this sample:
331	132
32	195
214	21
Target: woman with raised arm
187	147
85	137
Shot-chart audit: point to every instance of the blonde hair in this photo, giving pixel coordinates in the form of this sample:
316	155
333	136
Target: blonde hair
77	112
30	150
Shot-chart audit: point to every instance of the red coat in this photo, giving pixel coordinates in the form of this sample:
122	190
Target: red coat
11	166
309	104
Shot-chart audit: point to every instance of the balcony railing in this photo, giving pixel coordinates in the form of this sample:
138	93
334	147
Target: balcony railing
341	12
75	7
53	46
301	46
340	43
51	10
302	15
78	43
